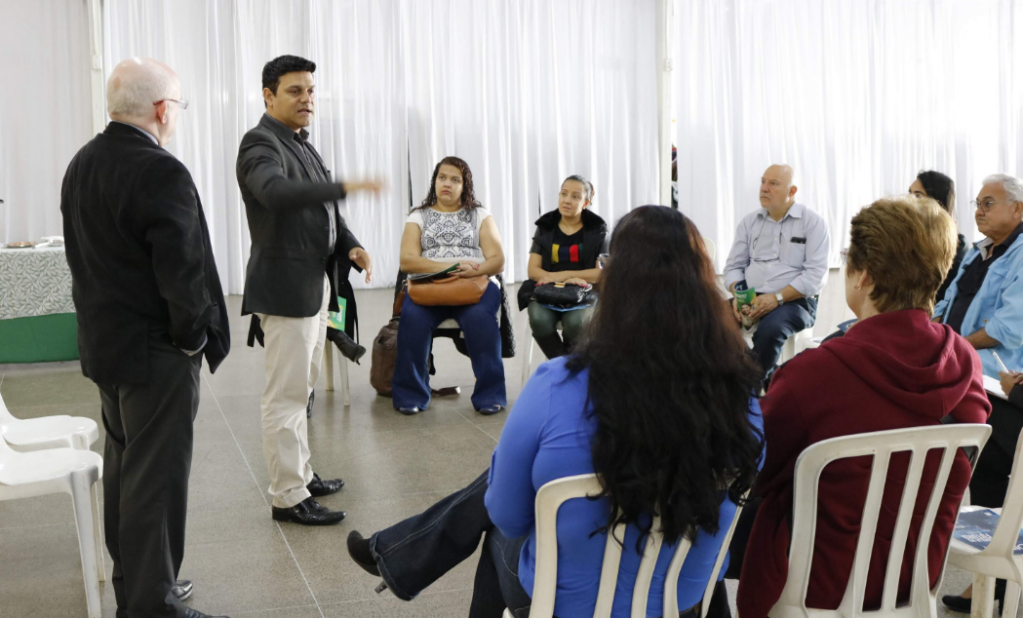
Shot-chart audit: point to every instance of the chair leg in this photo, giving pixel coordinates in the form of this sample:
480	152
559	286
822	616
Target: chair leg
527	358
97	524
344	381
328	364
1011	602
983	596
81	484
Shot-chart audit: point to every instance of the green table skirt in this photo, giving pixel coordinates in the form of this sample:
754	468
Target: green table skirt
44	338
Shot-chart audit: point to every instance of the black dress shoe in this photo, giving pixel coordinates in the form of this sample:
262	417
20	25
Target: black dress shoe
308	513
490	410
182	589
409	411
957	603
358	549
194	613
318	487
349	349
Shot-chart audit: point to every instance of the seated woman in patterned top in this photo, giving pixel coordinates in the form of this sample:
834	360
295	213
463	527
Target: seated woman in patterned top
451	226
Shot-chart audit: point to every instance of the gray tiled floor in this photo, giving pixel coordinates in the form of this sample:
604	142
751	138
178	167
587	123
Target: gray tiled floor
242	562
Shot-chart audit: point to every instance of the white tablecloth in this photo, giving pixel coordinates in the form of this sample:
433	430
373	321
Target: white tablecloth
34	282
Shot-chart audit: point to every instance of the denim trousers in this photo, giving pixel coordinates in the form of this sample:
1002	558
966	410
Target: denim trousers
776	327
410	385
416	552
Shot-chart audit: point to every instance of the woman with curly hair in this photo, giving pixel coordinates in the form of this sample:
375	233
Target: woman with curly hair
655	399
450	226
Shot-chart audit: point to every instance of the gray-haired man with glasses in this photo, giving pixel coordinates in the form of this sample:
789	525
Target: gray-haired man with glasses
780	251
985	305
150	308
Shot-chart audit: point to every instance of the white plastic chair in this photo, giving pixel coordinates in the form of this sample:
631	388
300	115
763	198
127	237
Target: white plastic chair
997	560
793	345
60	431
61	470
918	441
328	366
549	499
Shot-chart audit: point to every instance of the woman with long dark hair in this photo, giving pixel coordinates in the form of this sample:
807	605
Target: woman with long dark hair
449	227
656	400
941	189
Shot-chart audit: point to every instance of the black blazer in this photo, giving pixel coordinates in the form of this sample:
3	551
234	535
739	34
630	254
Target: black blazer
289	226
140	256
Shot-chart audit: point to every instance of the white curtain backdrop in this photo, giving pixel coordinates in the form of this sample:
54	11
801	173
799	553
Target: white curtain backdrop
527	91
44	110
858	96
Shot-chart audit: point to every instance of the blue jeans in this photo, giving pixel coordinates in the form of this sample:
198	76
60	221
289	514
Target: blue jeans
416	552
410	386
776	327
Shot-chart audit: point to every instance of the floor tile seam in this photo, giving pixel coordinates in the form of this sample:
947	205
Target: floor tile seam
70	523
485	433
271	609
265	501
381	596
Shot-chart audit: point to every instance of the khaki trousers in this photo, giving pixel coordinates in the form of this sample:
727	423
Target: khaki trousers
294	351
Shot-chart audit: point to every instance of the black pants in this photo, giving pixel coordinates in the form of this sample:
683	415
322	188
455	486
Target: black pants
990	479
147	460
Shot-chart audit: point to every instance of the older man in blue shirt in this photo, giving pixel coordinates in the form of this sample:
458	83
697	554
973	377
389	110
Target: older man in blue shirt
985	305
781	251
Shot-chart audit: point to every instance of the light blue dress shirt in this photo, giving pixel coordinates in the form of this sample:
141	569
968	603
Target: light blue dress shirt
770	255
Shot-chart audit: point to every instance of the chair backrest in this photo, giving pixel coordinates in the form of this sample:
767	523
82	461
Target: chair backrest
917	441
711	247
549	499
1003	542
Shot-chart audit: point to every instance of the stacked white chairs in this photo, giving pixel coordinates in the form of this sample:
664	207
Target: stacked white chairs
549	499
53	456
918	442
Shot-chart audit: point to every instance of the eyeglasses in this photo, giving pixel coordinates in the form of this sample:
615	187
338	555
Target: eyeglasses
181	102
983	206
602	260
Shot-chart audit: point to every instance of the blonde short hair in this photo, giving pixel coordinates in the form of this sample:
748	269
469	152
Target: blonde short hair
906	244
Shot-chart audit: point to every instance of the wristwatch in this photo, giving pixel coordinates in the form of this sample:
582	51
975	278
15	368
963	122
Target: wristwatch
781	299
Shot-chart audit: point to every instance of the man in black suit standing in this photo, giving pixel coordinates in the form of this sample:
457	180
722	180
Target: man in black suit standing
149	307
302	252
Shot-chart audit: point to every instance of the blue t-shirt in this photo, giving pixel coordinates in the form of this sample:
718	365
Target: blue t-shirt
548	436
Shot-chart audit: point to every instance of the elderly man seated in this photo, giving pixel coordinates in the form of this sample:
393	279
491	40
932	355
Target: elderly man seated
985	305
781	252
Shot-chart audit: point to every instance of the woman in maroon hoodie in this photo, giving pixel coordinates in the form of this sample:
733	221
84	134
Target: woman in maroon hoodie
894	369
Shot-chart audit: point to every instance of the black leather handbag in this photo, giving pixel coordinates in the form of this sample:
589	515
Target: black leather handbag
563	295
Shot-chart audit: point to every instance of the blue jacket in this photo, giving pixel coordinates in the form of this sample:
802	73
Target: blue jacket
997	308
548	436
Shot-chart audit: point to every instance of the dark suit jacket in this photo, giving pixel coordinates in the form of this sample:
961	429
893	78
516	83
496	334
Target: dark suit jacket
140	257
289	226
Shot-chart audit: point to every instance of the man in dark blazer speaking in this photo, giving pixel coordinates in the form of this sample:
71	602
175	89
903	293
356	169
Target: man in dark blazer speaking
301	252
149	307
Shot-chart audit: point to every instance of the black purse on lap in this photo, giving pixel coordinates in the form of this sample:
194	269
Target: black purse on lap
563	295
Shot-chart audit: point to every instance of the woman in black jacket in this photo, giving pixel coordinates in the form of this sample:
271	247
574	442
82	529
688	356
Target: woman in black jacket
565	249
